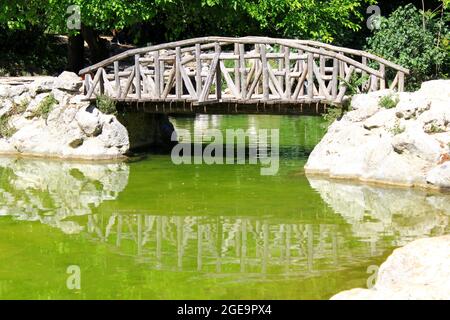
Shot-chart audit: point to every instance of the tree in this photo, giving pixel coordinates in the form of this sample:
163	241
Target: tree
405	40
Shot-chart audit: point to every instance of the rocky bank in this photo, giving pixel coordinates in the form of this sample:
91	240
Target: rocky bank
419	270
391	138
46	116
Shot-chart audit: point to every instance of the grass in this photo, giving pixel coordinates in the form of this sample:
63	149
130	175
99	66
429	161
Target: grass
45	107
435	129
389	102
6	130
397	129
106	105
333	114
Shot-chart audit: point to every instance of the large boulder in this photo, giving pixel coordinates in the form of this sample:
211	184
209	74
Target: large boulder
419	270
68	81
404	145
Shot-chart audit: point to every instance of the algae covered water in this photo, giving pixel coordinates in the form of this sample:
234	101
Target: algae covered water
150	229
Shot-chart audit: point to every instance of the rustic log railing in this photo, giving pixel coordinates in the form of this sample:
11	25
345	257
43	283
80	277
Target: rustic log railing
212	70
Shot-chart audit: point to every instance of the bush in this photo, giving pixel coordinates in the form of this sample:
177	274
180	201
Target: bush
6	130
333	114
45	107
106	105
389	102
403	39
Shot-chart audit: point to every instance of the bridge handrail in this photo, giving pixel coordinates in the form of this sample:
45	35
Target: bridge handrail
305	45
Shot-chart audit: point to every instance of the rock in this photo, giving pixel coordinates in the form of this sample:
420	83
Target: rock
89	122
41	85
393	146
417	143
68	81
436	89
364	106
440	175
418	271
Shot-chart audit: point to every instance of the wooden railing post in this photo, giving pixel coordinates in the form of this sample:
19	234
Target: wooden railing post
158	75
310	89
178	66
401	81
237	78
287	75
218	50
137	76
265	72
117	78
243	71
382	80
198	68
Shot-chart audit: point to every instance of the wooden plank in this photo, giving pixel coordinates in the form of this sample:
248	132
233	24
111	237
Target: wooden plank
198	68
158	74
137	76
109	88
94	84
229	80
343	88
265	72
287	76
117	78
394	82
298	89
242	71
128	84
322	87
401	81
209	78
170	82
87	83
334	80
237	78
185	78
254	84
277	86
310	89
178	80
217	50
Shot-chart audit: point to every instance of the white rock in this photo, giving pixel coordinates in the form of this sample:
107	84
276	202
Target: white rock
419	270
440	175
68	81
436	89
89	122
393	146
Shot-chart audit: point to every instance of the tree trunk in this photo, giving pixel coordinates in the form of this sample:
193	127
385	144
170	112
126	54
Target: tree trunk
97	46
75	58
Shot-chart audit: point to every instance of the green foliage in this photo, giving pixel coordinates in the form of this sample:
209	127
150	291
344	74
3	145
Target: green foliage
45	107
397	129
18	108
324	20
355	83
6	130
389	101
106	105
403	39
333	114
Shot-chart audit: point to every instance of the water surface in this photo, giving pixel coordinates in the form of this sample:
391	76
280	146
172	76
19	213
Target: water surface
152	230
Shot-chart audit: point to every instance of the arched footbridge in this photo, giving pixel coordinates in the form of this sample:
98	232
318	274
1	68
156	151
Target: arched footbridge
251	75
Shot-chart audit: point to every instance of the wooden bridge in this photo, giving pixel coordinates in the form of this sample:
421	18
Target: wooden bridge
220	75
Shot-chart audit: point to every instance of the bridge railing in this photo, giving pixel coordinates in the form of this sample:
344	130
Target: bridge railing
245	70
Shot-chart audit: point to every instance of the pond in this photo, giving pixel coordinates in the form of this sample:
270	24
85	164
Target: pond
150	229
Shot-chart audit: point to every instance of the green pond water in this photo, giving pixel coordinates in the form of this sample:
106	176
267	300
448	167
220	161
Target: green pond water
150	229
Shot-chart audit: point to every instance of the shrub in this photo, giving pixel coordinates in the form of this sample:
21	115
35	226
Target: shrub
45	107
389	102
397	129
333	114
6	130
403	39
106	105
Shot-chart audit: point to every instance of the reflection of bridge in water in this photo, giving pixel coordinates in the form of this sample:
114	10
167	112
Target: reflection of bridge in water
227	244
